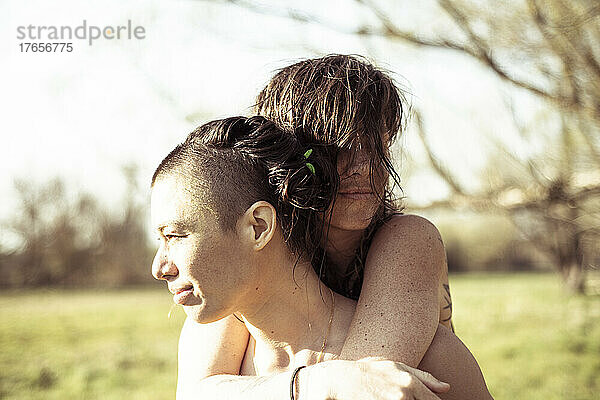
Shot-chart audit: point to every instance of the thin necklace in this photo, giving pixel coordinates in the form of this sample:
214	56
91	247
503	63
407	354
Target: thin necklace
320	357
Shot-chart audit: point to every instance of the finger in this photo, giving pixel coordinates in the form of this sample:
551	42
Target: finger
421	392
430	381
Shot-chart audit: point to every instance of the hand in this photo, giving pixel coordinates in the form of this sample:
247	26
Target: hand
377	379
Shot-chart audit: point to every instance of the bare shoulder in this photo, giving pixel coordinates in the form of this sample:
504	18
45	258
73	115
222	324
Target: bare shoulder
410	226
210	349
409	237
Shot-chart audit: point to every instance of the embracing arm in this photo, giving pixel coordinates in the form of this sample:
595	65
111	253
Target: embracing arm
210	357
367	379
399	307
233	387
449	359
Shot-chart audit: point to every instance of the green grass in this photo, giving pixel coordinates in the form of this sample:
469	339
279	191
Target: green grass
531	339
88	345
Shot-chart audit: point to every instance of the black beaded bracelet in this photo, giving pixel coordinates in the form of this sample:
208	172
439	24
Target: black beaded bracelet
292	391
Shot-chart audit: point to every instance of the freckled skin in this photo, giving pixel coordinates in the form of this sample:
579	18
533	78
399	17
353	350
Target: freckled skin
405	279
193	259
225	281
414	300
403	298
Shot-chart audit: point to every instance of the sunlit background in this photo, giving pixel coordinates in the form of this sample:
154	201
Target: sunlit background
502	153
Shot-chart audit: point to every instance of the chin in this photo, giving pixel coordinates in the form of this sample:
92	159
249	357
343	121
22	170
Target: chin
196	313
201	314
353	219
351	223
366	206
359	225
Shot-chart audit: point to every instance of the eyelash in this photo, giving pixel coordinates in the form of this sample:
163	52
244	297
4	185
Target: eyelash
170	237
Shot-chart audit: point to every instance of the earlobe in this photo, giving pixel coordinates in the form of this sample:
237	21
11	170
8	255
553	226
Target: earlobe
262	221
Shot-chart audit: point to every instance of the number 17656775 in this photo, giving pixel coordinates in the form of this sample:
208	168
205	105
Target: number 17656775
45	47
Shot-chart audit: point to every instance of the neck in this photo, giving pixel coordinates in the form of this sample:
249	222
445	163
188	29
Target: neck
290	310
341	246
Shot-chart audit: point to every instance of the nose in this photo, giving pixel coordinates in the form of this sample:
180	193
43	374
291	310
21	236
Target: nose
360	164
162	267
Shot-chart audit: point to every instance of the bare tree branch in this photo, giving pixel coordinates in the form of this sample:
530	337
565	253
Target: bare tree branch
563	69
435	163
478	50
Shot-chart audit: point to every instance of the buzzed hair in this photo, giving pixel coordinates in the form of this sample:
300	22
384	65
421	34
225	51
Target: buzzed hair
210	175
237	161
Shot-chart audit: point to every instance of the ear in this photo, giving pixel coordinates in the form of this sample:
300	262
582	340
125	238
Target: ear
258	224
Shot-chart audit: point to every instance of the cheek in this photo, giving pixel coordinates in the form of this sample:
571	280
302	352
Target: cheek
189	259
380	178
222	266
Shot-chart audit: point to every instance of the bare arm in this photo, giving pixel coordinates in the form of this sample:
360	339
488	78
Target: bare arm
210	357
399	307
449	359
209	349
369	379
233	387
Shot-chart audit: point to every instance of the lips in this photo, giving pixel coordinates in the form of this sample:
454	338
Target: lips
355	188
357	193
179	289
181	294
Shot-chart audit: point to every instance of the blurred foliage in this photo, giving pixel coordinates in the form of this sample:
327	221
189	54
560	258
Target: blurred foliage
548	181
531	339
65	239
480	242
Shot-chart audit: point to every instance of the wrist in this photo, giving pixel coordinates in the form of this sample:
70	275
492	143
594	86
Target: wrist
316	382
294	384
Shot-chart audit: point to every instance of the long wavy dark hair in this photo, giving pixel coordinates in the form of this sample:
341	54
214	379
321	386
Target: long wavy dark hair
342	101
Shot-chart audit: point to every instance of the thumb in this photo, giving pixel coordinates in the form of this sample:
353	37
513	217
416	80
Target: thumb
430	381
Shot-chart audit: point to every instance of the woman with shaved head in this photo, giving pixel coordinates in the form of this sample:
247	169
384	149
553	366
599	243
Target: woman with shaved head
392	264
242	209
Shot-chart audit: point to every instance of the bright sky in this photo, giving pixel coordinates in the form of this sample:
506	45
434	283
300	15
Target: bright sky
84	114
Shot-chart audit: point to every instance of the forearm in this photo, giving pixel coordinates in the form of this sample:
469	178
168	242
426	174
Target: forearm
368	379
271	387
402	335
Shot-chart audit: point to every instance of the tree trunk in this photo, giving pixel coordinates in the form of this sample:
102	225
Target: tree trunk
574	278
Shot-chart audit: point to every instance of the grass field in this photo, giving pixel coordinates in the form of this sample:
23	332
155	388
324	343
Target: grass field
531	339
